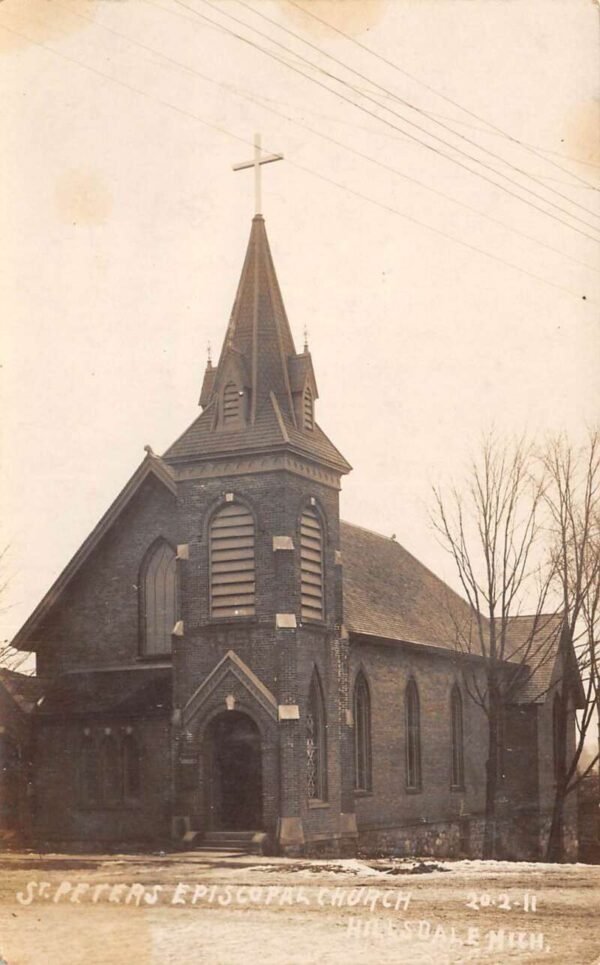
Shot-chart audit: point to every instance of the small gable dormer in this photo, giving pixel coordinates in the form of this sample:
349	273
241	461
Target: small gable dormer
304	390
230	392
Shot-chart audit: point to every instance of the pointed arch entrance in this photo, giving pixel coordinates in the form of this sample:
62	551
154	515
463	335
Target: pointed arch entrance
233	767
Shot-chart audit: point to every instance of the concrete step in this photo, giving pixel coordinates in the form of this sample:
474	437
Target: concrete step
241	842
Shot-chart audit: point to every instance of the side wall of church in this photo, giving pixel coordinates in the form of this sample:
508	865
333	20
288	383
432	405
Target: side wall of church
437	819
96	620
60	811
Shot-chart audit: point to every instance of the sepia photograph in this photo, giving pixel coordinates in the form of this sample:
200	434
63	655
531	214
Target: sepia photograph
300	442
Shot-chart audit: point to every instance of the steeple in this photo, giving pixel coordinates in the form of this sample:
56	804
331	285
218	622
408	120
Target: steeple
261	394
258	336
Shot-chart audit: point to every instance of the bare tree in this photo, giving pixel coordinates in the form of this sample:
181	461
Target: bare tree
491	526
573	500
10	658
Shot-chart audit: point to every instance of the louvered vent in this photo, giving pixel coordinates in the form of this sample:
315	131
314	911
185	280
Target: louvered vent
311	565
309	420
231	403
232	584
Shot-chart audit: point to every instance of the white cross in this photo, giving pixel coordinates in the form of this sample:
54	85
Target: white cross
256	164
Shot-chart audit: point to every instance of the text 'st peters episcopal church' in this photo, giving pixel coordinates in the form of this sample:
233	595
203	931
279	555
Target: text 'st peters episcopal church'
225	662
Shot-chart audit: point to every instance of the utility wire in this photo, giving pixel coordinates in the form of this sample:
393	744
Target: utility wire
410	105
405	119
299	167
258	100
407	134
438	93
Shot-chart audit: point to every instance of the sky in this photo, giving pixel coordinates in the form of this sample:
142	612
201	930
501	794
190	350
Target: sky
431	317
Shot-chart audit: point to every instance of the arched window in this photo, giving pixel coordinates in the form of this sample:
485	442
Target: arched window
316	742
413	737
131	767
89	777
311	565
159	596
362	735
309	417
111	770
232	578
231	403
458	760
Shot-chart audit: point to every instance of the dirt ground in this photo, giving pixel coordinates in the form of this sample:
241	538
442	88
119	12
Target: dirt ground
225	909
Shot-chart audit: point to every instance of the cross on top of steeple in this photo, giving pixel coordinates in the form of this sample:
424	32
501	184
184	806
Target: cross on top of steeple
256	163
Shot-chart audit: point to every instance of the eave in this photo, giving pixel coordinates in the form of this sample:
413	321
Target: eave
151	466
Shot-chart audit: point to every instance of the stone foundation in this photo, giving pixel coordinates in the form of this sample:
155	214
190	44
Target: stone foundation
462	838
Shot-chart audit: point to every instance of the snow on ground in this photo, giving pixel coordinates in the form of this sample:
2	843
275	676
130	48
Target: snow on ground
225	909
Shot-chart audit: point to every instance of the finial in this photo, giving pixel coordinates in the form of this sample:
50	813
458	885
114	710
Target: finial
306	338
149	450
209	355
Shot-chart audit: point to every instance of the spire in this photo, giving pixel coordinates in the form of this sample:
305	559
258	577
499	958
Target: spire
258	334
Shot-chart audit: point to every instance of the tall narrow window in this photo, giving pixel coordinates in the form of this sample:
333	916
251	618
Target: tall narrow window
316	743
89	777
231	403
110	769
558	743
458	760
159	596
232	578
413	737
309	417
362	735
311	565
131	767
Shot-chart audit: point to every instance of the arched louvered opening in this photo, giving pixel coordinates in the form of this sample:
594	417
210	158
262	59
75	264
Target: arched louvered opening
231	403
232	576
458	760
309	411
159	599
413	737
362	735
316	742
311	565
132	782
111	769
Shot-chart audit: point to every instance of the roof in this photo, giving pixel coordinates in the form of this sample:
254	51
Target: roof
24	690
388	593
151	466
271	430
119	692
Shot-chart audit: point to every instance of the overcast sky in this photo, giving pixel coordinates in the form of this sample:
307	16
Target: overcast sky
125	230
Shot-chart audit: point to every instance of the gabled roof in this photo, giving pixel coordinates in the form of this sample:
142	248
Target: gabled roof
388	593
151	466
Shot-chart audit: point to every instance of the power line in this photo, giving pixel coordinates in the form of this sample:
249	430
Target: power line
406	103
407	134
411	106
433	90
245	96
300	167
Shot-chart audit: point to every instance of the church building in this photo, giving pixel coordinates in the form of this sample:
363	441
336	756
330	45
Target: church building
224	661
